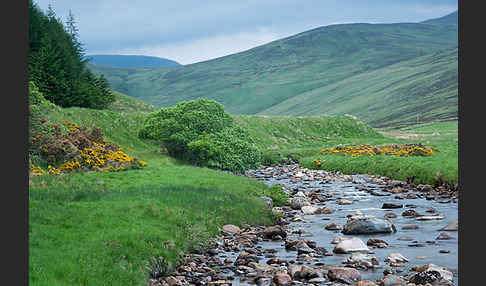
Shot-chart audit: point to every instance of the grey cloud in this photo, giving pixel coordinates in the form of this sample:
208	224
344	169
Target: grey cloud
114	25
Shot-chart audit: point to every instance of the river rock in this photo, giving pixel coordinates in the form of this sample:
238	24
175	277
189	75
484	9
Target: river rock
345	275
326	210
307	272
424	188
338	239
411	196
309	210
263	281
368	225
344	201
271	231
376	242
410	226
172	281
294	271
366	283
451	226
444	236
282	279
390	215
316	281
229	230
350	245
410	213
393	280
298	202
395	257
333	226
245	258
430	273
435	217
265	268
391	206
360	260
303	248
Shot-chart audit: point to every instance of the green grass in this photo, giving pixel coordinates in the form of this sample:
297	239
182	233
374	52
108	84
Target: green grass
427	170
103	228
382	73
300	139
128	104
284	132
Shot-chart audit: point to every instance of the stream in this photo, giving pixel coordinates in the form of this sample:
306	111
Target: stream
406	242
419	245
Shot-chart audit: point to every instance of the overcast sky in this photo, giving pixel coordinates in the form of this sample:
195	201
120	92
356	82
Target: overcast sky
190	31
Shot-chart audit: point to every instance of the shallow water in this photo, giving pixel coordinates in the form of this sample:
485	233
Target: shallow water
371	205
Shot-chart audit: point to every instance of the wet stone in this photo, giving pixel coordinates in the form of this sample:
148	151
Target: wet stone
391	206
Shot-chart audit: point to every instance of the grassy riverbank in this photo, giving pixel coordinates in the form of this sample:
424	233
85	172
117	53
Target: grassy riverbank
426	170
102	228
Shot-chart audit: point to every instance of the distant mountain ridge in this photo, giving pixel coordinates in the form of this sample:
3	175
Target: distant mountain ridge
131	61
317	72
451	19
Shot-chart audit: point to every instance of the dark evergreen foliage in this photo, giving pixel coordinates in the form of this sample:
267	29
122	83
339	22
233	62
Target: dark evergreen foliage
56	63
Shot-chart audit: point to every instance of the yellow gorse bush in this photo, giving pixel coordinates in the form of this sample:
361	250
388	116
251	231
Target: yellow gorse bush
409	149
98	156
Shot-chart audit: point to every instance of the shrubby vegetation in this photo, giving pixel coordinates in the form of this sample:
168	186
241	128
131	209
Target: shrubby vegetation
56	63
229	149
52	151
202	133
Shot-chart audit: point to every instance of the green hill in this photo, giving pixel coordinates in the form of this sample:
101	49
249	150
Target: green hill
278	77
394	95
131	61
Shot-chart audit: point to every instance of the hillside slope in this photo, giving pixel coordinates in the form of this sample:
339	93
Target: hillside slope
394	95
258	80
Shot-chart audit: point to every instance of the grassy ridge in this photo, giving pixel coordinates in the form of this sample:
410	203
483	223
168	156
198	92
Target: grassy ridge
296	75
283	132
390	96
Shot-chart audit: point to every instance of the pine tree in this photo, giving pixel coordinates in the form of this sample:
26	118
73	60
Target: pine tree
56	62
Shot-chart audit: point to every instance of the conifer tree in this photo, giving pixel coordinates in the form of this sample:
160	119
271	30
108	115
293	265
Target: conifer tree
56	63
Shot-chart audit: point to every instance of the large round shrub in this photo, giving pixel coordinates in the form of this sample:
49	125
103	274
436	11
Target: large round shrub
201	132
230	149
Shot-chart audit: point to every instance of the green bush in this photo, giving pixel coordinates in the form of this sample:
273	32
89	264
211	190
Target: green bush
202	133
230	149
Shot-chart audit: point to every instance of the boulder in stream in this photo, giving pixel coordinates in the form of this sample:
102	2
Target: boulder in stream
350	245
368	225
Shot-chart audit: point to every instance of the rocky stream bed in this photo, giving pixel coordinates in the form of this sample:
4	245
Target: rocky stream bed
338	230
